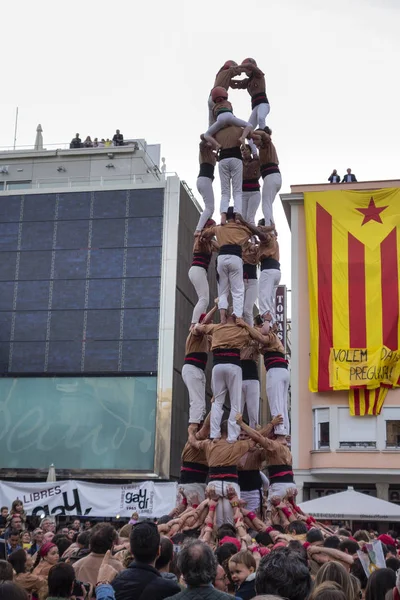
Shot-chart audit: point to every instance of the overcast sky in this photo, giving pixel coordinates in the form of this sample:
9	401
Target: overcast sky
332	72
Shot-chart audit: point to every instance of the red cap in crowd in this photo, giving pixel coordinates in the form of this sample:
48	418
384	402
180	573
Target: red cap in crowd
387	539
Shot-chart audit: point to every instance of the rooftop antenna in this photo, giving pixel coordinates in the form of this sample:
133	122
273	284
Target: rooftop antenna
16	127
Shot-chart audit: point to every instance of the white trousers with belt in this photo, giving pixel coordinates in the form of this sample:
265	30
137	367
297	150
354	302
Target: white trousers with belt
250	203
195	381
193	492
199	280
230	274
269	281
251	399
271	186
225	119
250	298
224	511
226	378
258	115
205	189
277	387
231	170
252	499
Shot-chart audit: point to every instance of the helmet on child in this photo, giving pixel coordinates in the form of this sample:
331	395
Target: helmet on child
249	60
218	92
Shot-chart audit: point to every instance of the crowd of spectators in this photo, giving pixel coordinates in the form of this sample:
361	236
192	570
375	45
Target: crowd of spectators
135	562
117	140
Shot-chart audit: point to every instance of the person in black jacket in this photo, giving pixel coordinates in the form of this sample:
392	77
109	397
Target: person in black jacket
198	565
141	580
334	177
118	138
349	177
76	142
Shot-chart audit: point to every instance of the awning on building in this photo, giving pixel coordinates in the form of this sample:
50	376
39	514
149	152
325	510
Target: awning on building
353	506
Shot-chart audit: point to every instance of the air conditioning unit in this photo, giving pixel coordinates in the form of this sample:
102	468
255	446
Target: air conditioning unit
4	170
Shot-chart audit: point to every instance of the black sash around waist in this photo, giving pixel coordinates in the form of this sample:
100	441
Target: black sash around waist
249	480
249	271
260	98
250	185
197	359
268	169
201	259
229	473
280	474
233	249
224	356
206	170
193	472
275	360
249	370
270	263
230	153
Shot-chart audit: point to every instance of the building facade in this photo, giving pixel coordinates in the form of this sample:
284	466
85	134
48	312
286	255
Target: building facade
331	449
95	246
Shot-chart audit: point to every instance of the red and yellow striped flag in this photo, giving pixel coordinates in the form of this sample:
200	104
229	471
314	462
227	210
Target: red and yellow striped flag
353	246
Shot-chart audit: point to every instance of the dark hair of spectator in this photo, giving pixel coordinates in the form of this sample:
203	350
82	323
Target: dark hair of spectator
298	527
332	542
178	539
314	535
361	535
380	582
344	532
297	547
83	539
391	549
393	563
263	538
145	542
279	528
163	520
102	538
384	549
329	590
392	532
335	571
13	532
357	570
225	551
6	571
283	573
226	529
166	553
350	545
11	591
61	578
17	560
62	543
197	563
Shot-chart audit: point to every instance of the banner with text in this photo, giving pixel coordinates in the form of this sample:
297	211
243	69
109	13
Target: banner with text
356	367
82	498
280	303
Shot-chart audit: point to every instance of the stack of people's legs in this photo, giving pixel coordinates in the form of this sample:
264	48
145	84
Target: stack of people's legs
227	456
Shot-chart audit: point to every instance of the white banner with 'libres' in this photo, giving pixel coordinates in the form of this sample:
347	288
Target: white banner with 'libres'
82	498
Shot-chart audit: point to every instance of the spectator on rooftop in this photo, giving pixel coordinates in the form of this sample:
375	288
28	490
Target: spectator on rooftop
118	138
349	177
102	143
95	143
76	142
334	177
108	143
88	142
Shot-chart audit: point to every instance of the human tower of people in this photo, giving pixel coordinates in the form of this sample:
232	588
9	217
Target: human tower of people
229	454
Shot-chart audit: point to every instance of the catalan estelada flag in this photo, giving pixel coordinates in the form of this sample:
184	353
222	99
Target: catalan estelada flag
353	247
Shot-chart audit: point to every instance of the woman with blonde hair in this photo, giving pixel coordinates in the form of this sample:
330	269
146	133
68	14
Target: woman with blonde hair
333	571
328	590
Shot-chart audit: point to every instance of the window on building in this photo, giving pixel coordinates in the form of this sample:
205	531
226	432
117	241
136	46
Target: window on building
392	422
18	185
321	429
356	432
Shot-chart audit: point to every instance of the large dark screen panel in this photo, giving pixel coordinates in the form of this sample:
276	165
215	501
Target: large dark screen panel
80	282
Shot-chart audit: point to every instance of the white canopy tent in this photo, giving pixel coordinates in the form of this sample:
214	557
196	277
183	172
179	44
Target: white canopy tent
352	506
